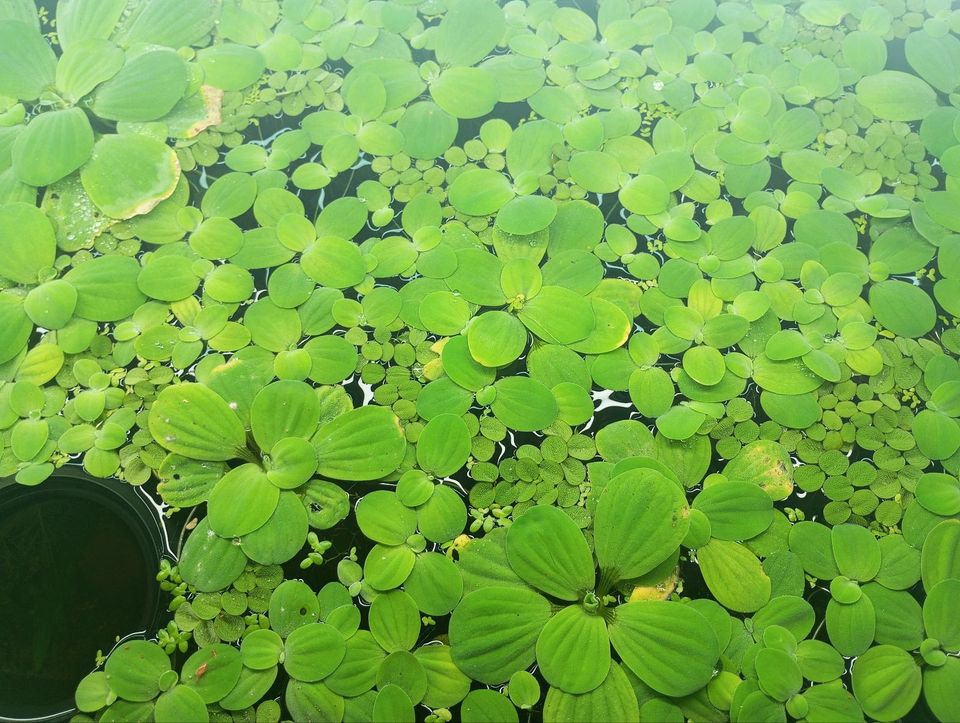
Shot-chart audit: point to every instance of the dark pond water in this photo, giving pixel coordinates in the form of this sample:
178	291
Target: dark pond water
77	569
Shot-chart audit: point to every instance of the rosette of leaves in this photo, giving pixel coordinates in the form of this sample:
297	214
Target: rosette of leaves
138	682
541	598
271	497
118	69
869	579
402	524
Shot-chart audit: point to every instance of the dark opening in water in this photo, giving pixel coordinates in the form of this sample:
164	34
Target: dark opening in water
77	565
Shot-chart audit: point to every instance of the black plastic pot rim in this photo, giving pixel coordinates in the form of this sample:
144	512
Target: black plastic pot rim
142	512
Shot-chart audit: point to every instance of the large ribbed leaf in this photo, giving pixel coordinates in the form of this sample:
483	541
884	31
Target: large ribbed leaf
173	23
734	575
736	510
640	520
79	20
146	88
27	64
363	444
613	701
668	645
887	682
284	409
54	145
470	29
86	65
856	551
547	549
444	445
493	632
15	327
573	650
106	288
940	558
27	242
851	627
940	687
191	420
242	501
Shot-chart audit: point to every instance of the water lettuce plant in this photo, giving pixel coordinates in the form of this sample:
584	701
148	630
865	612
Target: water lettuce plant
579	361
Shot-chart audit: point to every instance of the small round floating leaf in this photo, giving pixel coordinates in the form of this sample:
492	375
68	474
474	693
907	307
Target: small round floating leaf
54	145
493	632
940	556
559	316
668	645
261	649
168	278
547	549
468	32
939	493
393	705
427	129
466	92
856	551
939	689
937	435
525	215
388	567
778	674
191	420
128	175
334	263
362	444
442	517
487	706
444	445
283	409
312	701
231	67
496	338
887	682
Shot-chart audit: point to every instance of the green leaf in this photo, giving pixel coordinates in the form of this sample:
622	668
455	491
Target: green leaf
940	556
212	671
937	435
640	520
496	338
558	315
734	575
444	445
468	32
736	510
54	145
524	404
493	632
292	605
128	175
27	64
466	92
242	501
82	20
613	701
313	651
480	192
191	420
284	409
765	464
487	706
362	444
442	517
282	536
51	305
393	705
210	563
897	96
427	129
668	645
134	669
313	701
778	674
395	621
546	548
261	649
903	308
851	627
180	704
526	215
573	650
435	583
856	551
231	67
939	618
382	517
27	242
146	88
939	689
887	682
